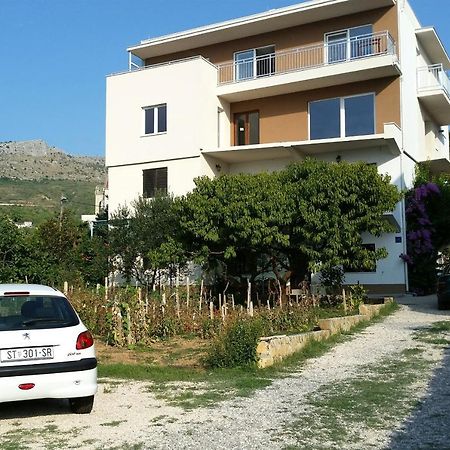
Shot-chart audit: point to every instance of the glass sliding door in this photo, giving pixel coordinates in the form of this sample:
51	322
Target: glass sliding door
244	63
265	61
337	47
361	42
349	44
257	62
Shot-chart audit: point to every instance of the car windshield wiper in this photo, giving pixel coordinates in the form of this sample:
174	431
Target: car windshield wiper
43	319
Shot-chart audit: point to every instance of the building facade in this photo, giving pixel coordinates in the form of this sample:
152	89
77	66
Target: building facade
336	80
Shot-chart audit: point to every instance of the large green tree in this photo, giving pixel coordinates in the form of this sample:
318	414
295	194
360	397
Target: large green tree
144	239
233	223
309	216
331	206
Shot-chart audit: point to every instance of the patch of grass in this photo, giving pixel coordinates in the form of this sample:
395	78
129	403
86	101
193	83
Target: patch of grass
21	438
113	423
127	445
439	327
438	334
341	413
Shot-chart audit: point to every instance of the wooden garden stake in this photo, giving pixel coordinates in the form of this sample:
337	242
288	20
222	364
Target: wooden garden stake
177	294
344	301
187	292
232	301
200	300
211	310
106	289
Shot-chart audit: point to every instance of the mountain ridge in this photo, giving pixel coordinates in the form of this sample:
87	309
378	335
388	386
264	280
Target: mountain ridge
36	160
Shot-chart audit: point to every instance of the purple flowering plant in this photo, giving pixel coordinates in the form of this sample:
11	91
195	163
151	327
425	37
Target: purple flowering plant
420	228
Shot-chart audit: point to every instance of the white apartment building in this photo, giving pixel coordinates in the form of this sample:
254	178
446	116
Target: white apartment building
346	80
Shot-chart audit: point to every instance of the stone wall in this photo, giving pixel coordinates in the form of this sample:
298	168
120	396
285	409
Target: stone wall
273	349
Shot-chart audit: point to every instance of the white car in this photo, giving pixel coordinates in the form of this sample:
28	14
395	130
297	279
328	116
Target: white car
45	350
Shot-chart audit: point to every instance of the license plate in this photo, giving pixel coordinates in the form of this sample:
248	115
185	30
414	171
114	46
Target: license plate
26	354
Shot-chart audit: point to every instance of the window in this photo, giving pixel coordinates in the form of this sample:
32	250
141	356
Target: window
154	182
258	62
155	119
246	128
342	117
349	44
371	248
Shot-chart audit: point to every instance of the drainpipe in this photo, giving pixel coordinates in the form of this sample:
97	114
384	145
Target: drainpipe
401	8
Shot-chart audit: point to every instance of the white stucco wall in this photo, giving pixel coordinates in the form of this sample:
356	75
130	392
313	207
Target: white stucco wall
126	182
188	89
421	137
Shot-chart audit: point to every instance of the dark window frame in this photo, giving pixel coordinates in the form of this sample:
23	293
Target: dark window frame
155	119
344	118
154	182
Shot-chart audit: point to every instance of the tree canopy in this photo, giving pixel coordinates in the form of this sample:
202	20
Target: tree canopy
308	216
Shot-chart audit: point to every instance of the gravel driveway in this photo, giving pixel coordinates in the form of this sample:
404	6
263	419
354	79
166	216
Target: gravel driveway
126	415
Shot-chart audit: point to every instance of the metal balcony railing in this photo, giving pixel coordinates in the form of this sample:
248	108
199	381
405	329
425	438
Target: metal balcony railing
433	77
309	57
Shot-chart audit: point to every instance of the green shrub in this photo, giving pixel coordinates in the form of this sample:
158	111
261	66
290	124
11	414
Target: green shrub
210	327
166	327
236	345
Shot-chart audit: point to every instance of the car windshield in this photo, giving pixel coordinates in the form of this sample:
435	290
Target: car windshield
35	312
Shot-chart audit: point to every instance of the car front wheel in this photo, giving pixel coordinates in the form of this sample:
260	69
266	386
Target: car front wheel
81	405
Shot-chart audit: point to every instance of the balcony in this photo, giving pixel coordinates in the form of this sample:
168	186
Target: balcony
388	142
433	86
304	68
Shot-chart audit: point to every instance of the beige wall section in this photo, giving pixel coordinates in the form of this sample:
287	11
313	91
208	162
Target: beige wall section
285	117
313	33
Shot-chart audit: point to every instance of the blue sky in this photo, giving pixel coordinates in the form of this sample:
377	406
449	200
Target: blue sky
55	55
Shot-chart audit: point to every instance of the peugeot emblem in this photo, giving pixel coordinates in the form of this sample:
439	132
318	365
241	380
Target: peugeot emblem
26	335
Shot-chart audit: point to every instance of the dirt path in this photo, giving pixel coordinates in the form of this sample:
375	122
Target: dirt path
294	412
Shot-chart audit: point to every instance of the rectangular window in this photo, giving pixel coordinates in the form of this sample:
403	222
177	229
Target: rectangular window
257	62
342	117
246	128
154	182
325	119
155	119
349	44
359	115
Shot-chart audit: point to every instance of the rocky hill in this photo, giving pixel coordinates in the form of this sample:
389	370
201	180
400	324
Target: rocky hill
36	160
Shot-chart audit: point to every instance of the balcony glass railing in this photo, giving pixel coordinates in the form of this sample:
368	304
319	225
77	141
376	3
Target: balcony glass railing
433	77
303	58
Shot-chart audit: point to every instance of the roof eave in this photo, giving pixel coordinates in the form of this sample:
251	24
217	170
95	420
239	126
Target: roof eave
431	42
273	20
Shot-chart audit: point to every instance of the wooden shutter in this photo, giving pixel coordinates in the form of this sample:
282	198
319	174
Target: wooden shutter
154	182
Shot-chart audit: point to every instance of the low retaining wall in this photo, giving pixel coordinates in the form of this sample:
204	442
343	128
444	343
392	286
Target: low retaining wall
274	349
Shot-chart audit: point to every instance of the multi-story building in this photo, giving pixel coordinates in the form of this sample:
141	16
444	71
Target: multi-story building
334	80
